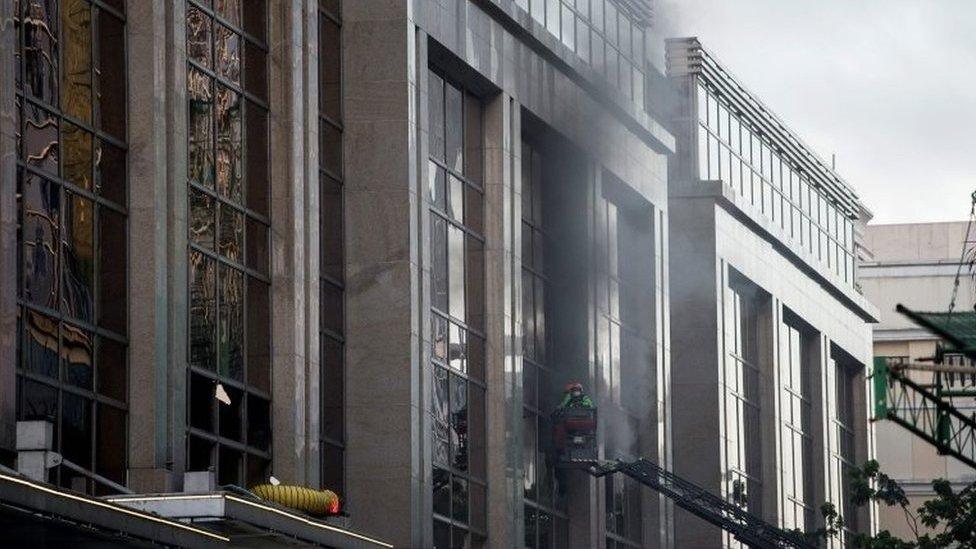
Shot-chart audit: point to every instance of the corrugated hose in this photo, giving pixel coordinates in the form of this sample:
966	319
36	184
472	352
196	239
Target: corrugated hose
314	502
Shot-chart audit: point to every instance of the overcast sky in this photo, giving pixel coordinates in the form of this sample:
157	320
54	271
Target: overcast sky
889	86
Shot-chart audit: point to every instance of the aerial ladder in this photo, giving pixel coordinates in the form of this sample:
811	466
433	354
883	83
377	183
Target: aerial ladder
575	443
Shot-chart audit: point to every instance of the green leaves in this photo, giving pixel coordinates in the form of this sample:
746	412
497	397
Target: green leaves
950	516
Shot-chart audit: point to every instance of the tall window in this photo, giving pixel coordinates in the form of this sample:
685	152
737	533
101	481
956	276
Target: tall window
626	252
331	281
72	234
457	314
229	375
842	443
743	442
545	505
795	429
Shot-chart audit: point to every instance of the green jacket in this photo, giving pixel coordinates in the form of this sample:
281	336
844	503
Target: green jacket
583	401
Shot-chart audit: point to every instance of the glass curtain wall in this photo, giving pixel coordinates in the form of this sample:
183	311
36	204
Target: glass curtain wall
545	505
730	149
331	280
229	373
626	361
602	33
457	330
796	438
740	378
72	233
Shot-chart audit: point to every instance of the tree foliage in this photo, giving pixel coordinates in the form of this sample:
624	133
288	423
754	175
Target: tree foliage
950	517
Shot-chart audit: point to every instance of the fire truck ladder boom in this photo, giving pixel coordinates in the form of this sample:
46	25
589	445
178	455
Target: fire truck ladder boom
745	527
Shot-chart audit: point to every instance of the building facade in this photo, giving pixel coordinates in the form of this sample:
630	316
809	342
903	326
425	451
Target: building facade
770	335
914	265
354	245
364	246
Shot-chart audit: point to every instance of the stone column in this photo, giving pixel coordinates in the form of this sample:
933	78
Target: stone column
157	243
384	148
770	316
289	240
8	233
502	348
313	354
697	281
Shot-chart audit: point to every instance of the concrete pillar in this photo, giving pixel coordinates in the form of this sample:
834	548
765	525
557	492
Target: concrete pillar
157	242
697	282
292	130
770	315
384	148
502	298
8	234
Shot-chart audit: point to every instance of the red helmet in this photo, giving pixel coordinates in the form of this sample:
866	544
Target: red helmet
573	386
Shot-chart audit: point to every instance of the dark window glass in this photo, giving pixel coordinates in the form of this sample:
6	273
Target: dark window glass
203	213
40	53
258	422
230	336
77	155
39	138
229	145
330	148
76	70
457	290
231	414
258	335
200	127
38	402
229	329
257	246
332	390
258	188
231	232
330	57
202	402
40	345
110	436
227	53
331	233
77	292
110	177
72	238
77	356
199	45
76	429
199	454
110	88
203	311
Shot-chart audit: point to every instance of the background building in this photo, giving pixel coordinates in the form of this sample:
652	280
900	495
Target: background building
914	265
770	336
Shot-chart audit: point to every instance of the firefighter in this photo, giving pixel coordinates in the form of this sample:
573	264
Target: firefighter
573	397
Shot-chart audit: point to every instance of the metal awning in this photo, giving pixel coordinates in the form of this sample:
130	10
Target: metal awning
249	521
40	515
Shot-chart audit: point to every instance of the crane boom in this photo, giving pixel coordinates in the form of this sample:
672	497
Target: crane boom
746	527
